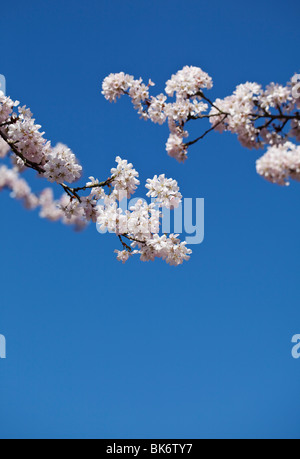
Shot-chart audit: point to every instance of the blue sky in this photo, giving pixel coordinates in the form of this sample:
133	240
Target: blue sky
97	349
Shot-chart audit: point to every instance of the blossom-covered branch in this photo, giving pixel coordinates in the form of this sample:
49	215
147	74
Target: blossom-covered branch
259	117
137	228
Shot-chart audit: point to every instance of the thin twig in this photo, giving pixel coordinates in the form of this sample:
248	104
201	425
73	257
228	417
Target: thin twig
188	144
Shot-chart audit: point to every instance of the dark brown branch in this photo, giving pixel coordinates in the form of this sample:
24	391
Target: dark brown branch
26	161
125	246
188	144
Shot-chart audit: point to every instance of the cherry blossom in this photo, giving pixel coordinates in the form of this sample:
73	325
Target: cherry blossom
99	202
188	81
62	165
166	191
280	164
124	177
259	117
4	148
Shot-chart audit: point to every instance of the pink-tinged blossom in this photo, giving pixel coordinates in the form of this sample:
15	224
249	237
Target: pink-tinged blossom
6	107
188	82
176	148
295	129
169	249
62	165
257	116
20	190
166	191
115	85
275	95
26	136
4	148
124	177
124	255
156	111
280	164
140	225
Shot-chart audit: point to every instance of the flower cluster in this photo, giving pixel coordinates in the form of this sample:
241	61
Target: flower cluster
124	177
140	221
51	209
26	136
188	82
238	106
10	179
137	228
62	165
20	133
186	85
6	107
118	84
169	249
115	85
61	209
166	191
257	116
295	129
4	148
280	164
140	224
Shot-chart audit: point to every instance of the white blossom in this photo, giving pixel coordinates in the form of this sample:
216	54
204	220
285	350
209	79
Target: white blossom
188	81
61	165
257	116
115	85
156	111
138	227
4	148
166	191
6	107
176	147
280	164
124	177
26	136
